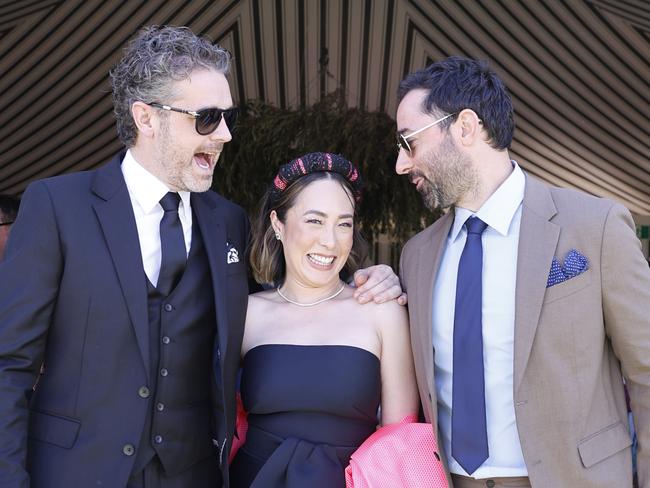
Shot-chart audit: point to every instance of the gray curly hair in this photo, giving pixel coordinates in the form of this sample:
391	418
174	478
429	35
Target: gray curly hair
155	57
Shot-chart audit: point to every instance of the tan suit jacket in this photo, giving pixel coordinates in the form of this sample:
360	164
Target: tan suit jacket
573	342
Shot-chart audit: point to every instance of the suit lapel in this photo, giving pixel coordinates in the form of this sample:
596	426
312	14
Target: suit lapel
115	215
211	225
538	239
429	257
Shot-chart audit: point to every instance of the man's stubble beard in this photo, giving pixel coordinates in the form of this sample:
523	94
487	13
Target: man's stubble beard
448	176
176	166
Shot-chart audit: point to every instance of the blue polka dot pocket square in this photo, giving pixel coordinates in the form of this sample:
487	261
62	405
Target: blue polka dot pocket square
574	264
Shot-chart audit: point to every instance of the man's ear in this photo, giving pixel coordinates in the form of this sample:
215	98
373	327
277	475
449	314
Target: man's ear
470	127
145	118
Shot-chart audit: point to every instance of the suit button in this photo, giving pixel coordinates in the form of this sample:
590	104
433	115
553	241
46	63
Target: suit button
158	439
168	307
160	407
166	340
128	449
164	372
144	392
490	483
219	353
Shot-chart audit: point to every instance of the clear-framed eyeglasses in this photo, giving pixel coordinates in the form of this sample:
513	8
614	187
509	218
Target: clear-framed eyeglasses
403	140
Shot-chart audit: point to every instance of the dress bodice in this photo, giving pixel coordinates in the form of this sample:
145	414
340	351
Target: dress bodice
309	408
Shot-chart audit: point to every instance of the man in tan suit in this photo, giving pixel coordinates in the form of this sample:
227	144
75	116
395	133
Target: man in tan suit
529	304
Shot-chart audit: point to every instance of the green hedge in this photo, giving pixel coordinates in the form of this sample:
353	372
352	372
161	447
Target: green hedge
267	136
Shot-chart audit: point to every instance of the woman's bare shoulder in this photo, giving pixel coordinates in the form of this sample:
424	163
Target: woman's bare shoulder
390	317
261	301
385	312
263	295
387	315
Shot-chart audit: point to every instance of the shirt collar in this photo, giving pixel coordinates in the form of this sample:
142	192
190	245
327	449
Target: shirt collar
146	189
498	210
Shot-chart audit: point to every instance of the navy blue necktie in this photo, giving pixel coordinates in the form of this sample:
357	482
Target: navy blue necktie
469	445
172	245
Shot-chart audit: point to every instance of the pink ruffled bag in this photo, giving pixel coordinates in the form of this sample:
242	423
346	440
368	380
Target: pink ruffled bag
403	454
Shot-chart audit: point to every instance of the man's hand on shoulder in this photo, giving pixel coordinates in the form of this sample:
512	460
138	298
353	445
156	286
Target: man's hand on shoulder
378	283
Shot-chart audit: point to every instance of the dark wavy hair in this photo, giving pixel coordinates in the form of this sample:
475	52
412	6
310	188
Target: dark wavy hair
8	208
265	254
457	83
153	59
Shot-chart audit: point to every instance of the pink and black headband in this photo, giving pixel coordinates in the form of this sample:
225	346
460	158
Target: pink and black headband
312	163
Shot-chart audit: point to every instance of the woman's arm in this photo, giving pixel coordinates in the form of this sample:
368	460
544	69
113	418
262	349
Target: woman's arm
399	394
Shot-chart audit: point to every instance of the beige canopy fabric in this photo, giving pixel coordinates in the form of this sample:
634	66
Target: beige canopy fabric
578	72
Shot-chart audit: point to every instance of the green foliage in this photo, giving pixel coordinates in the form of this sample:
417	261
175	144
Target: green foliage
267	137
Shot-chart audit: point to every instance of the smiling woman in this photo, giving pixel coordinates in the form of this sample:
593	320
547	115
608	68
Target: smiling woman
316	363
319	210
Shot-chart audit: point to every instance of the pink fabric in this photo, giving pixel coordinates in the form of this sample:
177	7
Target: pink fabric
241	428
403	454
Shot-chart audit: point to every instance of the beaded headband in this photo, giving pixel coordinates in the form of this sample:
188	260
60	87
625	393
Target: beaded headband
312	163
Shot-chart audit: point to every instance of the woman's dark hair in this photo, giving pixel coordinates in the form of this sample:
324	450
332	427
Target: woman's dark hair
266	255
457	83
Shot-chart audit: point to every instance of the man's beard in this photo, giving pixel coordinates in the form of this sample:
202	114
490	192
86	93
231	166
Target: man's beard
178	165
448	176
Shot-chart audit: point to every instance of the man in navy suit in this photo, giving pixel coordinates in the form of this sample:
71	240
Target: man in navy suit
126	287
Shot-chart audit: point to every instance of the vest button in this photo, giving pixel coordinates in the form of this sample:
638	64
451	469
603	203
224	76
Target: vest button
168	307
490	483
128	449
144	392
160	407
164	372
158	439
166	340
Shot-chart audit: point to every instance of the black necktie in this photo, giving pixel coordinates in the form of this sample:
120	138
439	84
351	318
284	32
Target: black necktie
469	444
172	245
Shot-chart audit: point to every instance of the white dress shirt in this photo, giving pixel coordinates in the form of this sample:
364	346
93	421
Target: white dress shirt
502	213
146	191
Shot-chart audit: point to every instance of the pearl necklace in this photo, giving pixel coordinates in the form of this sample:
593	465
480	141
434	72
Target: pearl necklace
337	293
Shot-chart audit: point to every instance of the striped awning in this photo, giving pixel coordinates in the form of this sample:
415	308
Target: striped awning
578	72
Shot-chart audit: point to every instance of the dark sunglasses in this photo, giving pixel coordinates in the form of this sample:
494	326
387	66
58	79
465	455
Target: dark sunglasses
208	119
403	140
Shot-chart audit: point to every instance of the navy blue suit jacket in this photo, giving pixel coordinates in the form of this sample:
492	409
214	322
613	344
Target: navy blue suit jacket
72	297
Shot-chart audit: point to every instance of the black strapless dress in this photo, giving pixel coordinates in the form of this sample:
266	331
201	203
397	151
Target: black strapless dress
310	408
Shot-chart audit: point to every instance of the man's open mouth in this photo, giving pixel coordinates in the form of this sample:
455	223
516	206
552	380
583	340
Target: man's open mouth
206	160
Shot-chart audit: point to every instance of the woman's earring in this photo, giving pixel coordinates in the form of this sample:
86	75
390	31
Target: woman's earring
277	236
